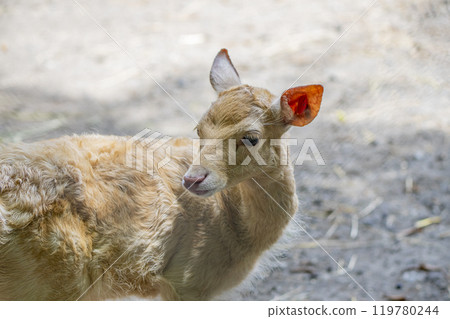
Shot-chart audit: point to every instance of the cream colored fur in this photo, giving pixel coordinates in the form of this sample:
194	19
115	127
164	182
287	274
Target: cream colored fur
70	208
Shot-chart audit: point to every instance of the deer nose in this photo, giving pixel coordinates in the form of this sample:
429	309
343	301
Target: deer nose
192	181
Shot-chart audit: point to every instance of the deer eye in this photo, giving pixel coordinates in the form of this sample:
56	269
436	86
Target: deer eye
248	140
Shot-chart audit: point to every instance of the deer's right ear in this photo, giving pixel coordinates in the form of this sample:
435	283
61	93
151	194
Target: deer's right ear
300	105
223	75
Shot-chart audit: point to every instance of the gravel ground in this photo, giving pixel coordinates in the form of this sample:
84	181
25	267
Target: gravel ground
374	221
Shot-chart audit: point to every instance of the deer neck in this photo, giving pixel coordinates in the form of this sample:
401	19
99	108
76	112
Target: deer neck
267	202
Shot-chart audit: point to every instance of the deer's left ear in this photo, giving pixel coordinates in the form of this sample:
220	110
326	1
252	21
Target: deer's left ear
300	105
223	75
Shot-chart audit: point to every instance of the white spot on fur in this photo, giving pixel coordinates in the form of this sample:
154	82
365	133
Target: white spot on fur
3	221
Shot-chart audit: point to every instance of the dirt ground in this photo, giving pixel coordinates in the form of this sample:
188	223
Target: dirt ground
379	207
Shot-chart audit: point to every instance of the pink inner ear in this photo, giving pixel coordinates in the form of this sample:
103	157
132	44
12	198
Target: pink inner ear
298	104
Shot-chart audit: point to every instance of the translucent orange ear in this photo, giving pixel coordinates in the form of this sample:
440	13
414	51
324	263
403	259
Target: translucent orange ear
300	105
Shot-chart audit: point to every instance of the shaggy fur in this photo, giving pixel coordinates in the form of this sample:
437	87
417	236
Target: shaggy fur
72	212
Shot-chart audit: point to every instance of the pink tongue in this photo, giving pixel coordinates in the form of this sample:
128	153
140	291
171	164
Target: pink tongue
300	104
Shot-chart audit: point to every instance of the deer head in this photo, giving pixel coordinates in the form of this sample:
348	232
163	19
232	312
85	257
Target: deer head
237	132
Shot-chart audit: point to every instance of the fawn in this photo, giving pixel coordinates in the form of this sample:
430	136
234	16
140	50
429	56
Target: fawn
76	222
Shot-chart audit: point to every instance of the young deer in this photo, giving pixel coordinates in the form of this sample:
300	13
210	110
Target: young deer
76	222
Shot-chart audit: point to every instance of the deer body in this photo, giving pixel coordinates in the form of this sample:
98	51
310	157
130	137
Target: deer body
77	223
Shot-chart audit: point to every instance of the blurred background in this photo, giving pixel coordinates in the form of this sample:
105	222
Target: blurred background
380	206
